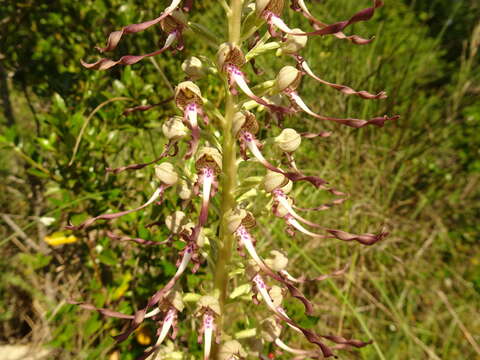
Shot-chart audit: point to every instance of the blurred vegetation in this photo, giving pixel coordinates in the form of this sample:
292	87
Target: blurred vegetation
415	294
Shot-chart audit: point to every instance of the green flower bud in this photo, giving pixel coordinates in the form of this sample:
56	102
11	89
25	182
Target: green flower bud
237	217
193	67
288	140
246	121
187	92
175	221
209	302
174	21
274	6
229	54
288	78
278	262
274	180
293	44
270	329
232	349
209	157
176	300
165	172
184	190
276	293
281	211
173	128
201	240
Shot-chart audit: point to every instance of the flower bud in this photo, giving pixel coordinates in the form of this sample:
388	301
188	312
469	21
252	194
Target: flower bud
193	67
175	221
293	44
274	6
165	172
288	140
281	211
270	329
229	54
278	262
237	217
174	21
287	188
232	349
209	157
173	128
288	78
245	121
276	293
234	219
184	190
274	180
187	92
202	239
209	302
176	300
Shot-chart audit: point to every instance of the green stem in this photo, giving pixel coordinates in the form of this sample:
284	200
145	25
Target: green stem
228	177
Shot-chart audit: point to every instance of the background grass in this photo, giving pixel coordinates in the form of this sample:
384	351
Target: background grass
416	294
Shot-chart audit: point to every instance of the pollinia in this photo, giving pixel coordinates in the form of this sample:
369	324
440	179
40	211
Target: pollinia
207	148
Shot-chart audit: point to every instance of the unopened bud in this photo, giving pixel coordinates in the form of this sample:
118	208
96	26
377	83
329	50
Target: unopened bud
229	54
232	349
244	121
237	217
278	262
173	128
288	140
209	302
270	329
184	190
274	180
289	77
173	22
175	221
193	67
276	293
281	211
165	172
187	92
234	219
274	6
209	157
176	299
293	44
201	239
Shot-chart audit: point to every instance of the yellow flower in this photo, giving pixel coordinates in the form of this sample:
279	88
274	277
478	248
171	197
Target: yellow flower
60	238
